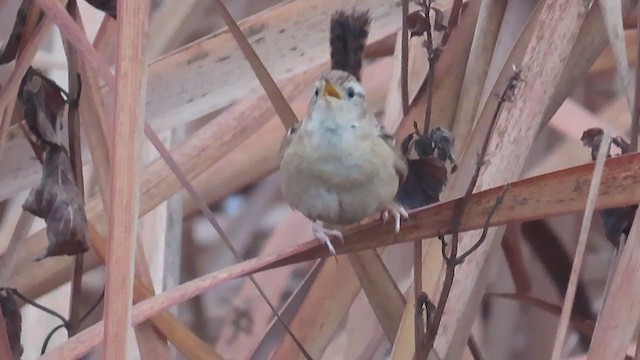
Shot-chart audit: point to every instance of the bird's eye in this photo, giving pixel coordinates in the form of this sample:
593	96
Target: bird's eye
317	92
351	93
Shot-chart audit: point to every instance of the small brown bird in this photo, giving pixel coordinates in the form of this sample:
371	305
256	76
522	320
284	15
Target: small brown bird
338	165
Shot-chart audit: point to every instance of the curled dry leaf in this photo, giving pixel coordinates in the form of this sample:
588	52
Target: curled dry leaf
616	221
13	44
108	6
427	174
59	202
418	23
43	104
12	321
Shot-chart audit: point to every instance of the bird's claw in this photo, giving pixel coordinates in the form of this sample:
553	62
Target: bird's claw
322	234
397	211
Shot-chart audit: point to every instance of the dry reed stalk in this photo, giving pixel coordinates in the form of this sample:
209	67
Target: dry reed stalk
619	316
612	14
71	32
570	293
133	17
475	76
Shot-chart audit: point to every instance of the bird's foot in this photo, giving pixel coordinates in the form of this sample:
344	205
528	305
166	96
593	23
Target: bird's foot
322	234
397	211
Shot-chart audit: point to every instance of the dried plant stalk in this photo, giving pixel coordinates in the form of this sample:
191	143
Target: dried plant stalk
570	293
127	136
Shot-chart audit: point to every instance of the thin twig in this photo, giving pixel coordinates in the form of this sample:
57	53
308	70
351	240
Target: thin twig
47	339
452	260
453	18
67	325
474	349
404	59
53	313
75	155
570	293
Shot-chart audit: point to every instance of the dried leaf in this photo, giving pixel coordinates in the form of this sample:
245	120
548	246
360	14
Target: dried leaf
107	6
59	202
427	174
417	23
44	105
10	50
12	321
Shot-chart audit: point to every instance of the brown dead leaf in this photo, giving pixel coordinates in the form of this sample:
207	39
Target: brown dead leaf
12	321
59	202
12	46
107	6
43	104
427	174
418	23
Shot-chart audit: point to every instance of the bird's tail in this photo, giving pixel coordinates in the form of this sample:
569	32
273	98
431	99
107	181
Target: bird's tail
348	36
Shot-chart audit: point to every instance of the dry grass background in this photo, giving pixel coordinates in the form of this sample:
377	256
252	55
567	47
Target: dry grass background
210	141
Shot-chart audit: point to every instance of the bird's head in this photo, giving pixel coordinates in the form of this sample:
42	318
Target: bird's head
338	95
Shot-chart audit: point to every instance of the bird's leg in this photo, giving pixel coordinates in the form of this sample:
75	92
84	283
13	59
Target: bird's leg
322	234
395	210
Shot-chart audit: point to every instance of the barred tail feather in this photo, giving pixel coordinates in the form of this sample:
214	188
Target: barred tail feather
348	37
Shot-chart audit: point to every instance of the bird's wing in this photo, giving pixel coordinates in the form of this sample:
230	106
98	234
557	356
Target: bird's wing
399	164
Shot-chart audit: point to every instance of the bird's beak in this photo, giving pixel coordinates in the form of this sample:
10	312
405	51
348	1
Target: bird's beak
330	90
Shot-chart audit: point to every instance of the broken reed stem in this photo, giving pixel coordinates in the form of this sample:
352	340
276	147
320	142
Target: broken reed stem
570	293
75	156
133	27
452	260
404	57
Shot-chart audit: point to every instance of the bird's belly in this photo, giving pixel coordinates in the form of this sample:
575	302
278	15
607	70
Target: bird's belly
333	203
